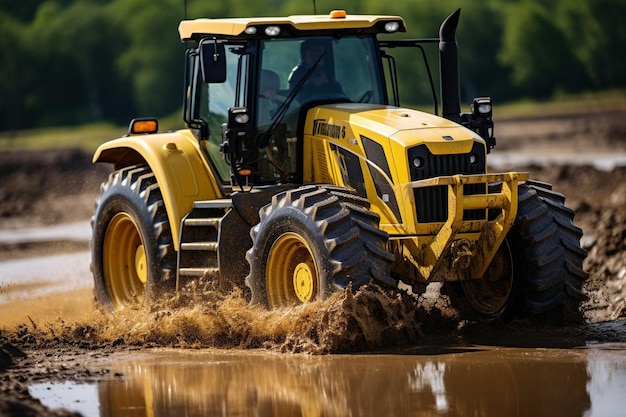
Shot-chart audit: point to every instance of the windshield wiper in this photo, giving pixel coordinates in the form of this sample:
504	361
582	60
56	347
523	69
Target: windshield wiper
264	138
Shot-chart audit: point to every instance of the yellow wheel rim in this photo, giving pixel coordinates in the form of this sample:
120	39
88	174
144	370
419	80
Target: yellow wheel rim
490	294
291	275
124	256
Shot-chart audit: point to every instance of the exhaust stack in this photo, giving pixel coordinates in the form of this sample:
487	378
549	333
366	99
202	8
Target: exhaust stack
449	68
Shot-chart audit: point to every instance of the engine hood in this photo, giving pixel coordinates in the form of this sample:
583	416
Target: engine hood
405	127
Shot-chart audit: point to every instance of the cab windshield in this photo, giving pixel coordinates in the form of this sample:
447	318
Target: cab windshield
298	71
320	68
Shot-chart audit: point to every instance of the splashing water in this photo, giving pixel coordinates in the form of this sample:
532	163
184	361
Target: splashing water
371	318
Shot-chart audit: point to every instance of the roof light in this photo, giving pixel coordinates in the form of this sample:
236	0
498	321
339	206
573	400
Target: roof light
272	31
392	27
250	30
338	14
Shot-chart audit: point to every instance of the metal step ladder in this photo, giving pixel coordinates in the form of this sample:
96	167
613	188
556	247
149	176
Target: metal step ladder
198	244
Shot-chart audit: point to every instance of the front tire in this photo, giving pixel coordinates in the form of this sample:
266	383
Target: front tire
132	250
311	241
544	277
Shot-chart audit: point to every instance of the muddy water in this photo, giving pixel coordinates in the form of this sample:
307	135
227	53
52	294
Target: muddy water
472	372
477	380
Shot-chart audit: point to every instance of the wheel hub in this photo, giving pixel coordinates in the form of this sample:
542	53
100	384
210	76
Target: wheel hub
140	264
491	294
303	282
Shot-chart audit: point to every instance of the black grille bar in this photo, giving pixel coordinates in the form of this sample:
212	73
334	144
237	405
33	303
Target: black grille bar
432	202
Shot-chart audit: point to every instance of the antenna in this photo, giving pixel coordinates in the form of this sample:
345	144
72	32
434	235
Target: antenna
314	7
185	2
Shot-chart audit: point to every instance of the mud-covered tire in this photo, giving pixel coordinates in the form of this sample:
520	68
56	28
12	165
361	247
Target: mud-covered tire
132	252
553	258
544	247
311	241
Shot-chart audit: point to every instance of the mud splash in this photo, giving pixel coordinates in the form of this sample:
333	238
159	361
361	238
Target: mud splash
204	315
606	262
370	319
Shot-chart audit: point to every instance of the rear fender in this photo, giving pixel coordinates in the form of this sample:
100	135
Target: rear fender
178	165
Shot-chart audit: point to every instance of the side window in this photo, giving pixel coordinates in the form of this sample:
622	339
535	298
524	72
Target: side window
355	69
216	99
406	68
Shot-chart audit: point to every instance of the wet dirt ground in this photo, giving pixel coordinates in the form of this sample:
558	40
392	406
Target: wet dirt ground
374	353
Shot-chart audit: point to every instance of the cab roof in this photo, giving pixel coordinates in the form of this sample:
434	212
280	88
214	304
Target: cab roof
336	21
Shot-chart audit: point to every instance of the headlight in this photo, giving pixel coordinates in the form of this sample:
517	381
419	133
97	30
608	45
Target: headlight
272	31
392	27
481	106
242	118
237	116
484	108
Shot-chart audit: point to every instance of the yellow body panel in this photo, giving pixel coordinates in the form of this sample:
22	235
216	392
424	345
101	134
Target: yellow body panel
177	163
395	130
335	132
236	26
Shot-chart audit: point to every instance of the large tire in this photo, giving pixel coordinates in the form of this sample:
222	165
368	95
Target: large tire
537	272
132	251
311	241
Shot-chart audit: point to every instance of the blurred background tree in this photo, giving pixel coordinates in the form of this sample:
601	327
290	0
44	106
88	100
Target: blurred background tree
68	62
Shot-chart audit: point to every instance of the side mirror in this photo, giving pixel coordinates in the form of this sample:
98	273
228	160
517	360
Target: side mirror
212	61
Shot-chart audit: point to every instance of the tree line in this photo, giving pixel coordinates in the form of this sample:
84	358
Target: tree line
68	62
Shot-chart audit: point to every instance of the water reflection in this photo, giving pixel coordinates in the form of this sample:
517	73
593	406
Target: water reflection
484	382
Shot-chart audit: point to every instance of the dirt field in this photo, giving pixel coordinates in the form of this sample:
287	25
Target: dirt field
51	187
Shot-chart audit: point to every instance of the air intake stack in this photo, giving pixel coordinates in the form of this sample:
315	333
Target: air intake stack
449	67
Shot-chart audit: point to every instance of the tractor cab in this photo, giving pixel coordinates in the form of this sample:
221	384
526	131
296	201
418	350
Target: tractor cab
250	85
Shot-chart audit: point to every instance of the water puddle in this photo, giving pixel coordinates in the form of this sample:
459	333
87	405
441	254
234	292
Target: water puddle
485	381
77	231
23	279
82	398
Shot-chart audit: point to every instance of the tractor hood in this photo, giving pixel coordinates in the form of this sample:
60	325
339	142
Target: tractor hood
382	151
402	127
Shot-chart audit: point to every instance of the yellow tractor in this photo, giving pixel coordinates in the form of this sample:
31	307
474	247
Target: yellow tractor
298	173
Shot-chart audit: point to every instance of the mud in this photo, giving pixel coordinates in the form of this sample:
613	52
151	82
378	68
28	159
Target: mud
51	187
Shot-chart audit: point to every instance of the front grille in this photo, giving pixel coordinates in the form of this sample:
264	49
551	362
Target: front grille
432	202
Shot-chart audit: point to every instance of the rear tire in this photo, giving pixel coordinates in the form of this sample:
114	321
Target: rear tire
311	241
132	251
546	278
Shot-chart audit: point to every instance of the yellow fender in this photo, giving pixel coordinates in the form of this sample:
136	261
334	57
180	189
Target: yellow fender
177	163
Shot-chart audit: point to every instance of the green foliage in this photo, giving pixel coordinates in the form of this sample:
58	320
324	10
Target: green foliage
533	48
596	34
11	105
76	61
152	59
